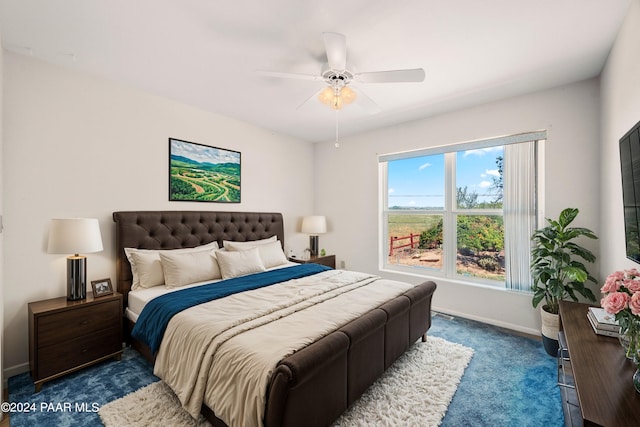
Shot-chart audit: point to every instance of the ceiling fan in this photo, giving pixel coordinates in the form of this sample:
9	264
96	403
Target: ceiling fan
338	78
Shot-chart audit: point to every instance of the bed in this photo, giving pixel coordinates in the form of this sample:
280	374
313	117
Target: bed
311	385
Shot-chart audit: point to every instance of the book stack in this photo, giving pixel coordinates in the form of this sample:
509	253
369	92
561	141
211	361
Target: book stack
602	322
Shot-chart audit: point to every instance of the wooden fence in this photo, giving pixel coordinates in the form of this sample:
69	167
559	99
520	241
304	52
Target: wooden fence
410	237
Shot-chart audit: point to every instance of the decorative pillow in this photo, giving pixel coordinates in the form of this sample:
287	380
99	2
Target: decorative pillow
184	268
148	266
239	263
241	246
271	253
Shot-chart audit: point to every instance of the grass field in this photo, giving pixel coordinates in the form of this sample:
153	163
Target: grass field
188	183
401	225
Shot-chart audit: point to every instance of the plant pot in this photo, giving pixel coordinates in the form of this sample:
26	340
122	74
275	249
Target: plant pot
550	326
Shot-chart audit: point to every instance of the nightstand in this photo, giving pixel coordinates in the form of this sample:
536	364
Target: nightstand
328	260
65	336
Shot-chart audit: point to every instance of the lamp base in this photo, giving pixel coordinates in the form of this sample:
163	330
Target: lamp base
313	245
76	277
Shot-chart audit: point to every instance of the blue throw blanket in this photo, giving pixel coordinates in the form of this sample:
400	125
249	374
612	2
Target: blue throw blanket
156	314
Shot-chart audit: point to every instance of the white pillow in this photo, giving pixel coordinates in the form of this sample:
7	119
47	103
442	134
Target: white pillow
241	246
240	263
271	253
147	268
184	268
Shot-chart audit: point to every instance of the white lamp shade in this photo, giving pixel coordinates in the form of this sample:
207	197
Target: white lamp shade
316	224
74	236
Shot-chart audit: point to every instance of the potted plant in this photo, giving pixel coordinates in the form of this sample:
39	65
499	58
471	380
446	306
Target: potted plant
558	271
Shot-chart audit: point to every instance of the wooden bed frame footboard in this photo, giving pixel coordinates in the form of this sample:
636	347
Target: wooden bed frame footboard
314	386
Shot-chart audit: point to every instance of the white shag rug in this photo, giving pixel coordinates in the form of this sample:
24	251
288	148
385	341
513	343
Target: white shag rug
415	391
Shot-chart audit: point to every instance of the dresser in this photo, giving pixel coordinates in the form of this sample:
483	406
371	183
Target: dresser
600	373
65	336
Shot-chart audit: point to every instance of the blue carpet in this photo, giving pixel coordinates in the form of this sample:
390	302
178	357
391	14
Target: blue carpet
74	400
510	382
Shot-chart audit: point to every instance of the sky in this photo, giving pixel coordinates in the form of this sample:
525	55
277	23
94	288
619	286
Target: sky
203	153
419	182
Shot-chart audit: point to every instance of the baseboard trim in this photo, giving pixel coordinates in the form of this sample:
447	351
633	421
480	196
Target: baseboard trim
494	322
13	371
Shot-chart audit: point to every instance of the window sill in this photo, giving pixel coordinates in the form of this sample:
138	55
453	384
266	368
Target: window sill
435	276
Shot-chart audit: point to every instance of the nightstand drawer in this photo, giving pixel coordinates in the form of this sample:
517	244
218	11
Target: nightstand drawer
67	325
328	260
65	336
63	356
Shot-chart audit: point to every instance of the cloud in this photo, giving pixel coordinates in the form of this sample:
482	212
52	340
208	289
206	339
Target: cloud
482	151
391	190
484	184
203	153
424	166
492	172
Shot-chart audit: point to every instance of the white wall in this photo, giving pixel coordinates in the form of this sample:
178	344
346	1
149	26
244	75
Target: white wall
80	145
347	184
620	86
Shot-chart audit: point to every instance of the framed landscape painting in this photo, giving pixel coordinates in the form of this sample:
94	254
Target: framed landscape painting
200	173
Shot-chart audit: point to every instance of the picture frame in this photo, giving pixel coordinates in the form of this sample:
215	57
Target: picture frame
202	173
101	287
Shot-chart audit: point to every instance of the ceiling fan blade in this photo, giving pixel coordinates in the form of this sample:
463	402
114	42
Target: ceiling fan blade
366	103
336	46
284	75
306	101
393	76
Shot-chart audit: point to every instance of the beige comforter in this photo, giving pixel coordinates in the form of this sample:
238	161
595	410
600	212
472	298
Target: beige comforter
224	352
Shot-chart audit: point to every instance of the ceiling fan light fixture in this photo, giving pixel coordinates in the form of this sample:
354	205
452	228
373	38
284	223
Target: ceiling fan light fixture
326	95
331	97
336	97
336	102
348	95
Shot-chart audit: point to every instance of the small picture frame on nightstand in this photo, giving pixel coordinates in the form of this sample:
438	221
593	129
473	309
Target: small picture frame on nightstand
101	287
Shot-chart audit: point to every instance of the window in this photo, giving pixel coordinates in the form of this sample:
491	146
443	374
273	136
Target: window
465	211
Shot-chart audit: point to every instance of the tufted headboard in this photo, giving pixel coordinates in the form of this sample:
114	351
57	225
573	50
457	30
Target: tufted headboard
185	229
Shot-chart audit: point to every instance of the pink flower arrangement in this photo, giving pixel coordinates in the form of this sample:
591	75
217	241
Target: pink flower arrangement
621	291
622	298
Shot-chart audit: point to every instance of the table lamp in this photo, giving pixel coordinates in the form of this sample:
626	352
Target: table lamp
314	225
75	236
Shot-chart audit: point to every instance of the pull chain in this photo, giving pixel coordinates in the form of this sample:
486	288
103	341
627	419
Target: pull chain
337	144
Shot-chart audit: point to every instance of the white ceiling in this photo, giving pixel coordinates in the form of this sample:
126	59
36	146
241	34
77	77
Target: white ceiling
205	52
